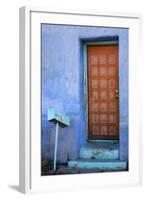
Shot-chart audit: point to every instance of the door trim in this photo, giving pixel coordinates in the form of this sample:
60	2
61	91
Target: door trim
85	45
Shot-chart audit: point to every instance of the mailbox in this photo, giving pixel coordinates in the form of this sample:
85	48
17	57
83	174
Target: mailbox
59	120
56	117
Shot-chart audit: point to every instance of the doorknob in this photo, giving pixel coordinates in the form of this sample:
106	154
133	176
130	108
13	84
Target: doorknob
117	93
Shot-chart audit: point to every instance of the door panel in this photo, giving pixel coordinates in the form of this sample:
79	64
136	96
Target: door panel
103	92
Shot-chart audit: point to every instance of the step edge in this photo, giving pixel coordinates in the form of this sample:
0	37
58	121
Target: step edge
97	160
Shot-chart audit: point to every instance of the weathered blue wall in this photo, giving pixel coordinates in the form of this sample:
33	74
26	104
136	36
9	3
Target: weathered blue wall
63	86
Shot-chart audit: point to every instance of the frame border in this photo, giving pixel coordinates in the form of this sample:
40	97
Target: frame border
25	86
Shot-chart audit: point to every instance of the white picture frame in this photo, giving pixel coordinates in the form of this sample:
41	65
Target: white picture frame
30	155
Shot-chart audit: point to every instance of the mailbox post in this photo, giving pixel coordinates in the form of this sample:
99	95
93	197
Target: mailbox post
60	120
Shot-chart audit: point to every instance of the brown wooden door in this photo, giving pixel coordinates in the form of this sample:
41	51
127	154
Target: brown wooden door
103	92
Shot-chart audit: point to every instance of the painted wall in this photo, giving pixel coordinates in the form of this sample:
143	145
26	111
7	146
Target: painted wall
63	86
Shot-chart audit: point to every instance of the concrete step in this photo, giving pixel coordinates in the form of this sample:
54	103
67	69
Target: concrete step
100	150
75	170
102	165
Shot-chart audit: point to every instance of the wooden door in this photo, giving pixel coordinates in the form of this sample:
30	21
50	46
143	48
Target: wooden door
103	92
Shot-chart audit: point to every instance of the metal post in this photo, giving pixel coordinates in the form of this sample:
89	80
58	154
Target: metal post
56	144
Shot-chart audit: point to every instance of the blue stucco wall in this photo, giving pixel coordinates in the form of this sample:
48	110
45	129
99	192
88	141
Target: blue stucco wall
63	86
